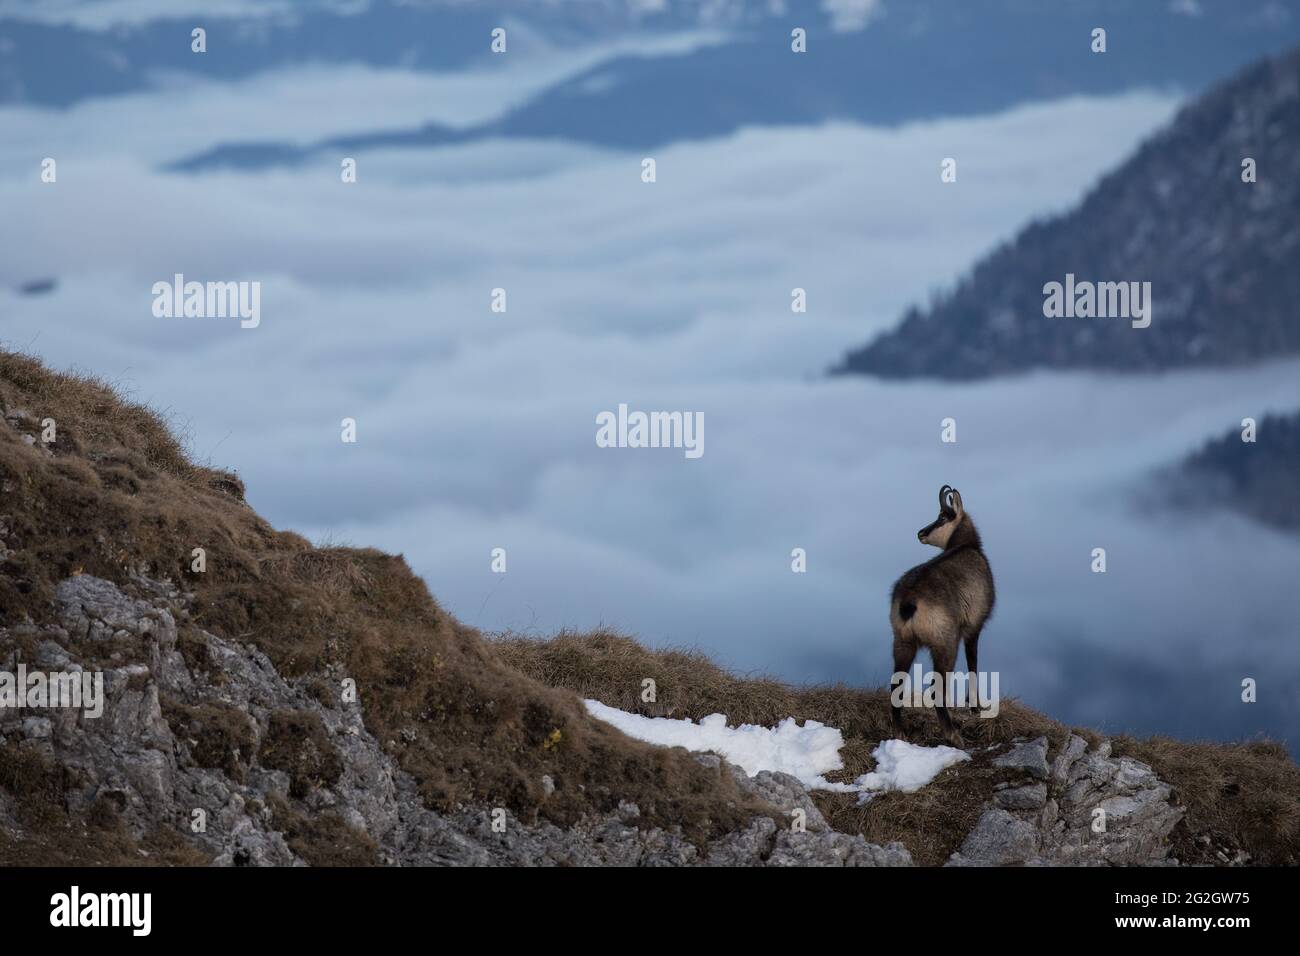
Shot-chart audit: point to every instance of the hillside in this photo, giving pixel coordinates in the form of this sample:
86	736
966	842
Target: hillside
230	735
1257	479
1219	253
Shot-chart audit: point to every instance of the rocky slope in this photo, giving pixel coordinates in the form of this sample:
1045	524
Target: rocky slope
203	736
1086	807
1219	253
285	705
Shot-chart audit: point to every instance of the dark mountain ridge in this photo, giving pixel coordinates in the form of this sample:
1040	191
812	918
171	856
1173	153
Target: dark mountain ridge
1257	479
978	58
1219	253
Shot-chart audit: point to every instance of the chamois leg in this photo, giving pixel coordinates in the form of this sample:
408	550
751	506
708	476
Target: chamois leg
972	668
945	659
904	654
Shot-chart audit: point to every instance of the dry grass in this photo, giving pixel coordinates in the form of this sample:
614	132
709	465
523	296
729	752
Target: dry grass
323	839
53	837
220	736
297	742
1244	796
116	494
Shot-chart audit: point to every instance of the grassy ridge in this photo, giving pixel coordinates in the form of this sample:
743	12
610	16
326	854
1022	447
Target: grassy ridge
117	495
1246	796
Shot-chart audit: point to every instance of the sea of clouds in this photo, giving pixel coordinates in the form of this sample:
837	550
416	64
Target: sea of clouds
477	430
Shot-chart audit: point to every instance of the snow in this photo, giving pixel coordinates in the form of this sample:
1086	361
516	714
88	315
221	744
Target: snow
908	767
805	752
808	752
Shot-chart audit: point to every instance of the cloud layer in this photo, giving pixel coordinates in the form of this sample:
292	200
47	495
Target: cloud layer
477	430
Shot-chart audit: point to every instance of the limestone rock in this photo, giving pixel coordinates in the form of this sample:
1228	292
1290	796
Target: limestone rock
1032	797
1030	757
1091	809
999	839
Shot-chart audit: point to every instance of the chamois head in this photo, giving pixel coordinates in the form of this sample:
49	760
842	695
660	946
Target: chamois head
951	513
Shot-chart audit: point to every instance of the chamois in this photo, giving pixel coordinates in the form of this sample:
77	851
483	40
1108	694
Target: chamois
941	603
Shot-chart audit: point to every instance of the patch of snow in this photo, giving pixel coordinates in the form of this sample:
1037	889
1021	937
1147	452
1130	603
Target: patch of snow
908	767
805	752
808	752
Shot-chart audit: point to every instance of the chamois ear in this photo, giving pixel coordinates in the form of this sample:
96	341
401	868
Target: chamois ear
955	497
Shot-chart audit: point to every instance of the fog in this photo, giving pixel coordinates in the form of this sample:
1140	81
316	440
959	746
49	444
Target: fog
476	430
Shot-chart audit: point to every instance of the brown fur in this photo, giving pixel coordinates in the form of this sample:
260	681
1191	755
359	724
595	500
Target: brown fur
944	602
